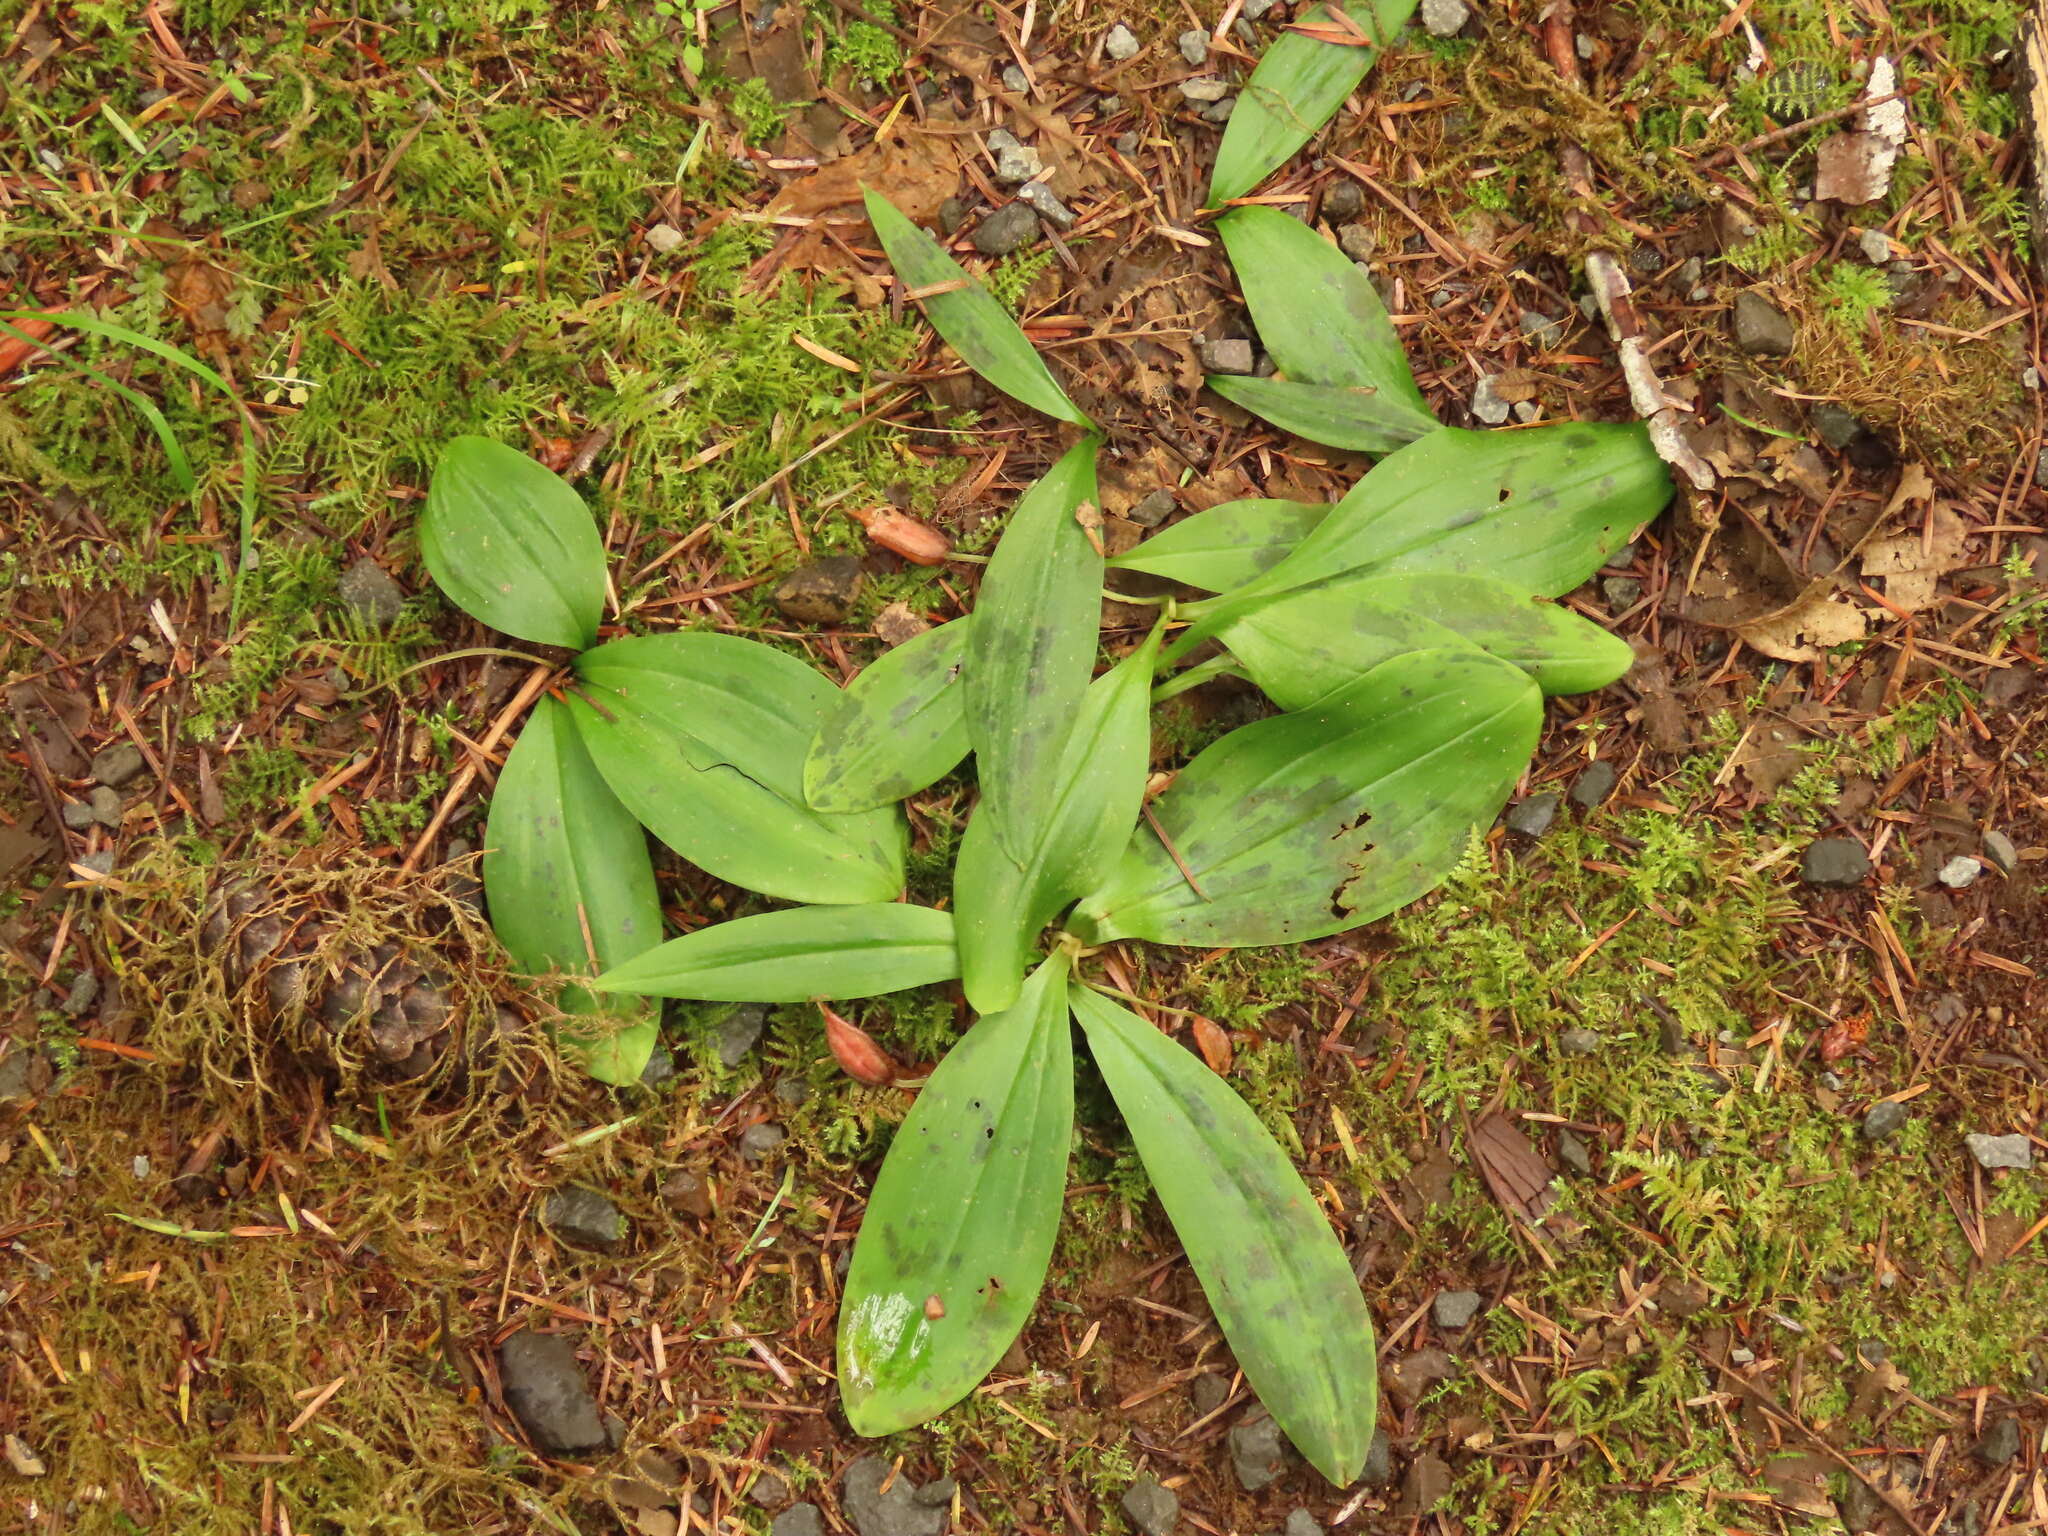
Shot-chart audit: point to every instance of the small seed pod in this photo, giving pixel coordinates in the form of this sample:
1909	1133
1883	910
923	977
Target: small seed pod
855	1050
900	533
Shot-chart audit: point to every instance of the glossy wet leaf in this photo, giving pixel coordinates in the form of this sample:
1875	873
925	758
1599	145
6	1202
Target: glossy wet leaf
1297	86
898	727
1304	644
1336	415
797	955
1226	545
1031	648
959	1230
1273	1272
564	859
1313	822
1002	903
1322	321
974	324
512	544
704	737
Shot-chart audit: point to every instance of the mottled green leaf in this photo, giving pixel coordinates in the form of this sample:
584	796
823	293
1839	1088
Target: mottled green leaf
797	955
1001	903
1363	420
1322	322
1275	1275
959	1230
1303	644
899	727
1297	86
1314	822
973	323
571	888
703	737
512	544
1031	647
1227	545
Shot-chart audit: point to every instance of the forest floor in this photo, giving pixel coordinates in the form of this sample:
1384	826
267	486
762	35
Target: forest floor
1649	1134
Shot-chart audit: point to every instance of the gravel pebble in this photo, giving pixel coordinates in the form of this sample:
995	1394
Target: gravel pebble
1152	1509
1039	196
1835	862
1960	872
1999	849
1453	1310
2013	1151
1016	161
759	1142
1227	356
1487	404
1445	18
1533	816
546	1391
663	238
1194	46
1580	1041
1204	88
584	1217
1010	228
1258	1452
1594	784
1150	511
1121	43
114	766
1884	1119
1761	328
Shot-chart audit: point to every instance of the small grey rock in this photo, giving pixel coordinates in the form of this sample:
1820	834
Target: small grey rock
895	1513
822	591
663	238
1573	1153
1594	784
1838	428
1258	1452
84	992
1379	1461
739	1032
1580	1042
1152	1509
1999	849
1527	410
1487	404
1533	816
1540	330
952	214
1121	43
1876	246
584	1217
1010	228
1204	88
1227	357
1208	1392
1016	161
1014	79
792	1091
1255	10
2001	1442
1960	872
1128	144
1194	46
938	1493
1452	1310
760	1142
105	804
114	766
1219	112
78	815
2013	1151
1445	18
799	1520
1343	201
17	1074
1355	241
101	863
661	1066
368	592
687	1192
1761	328
1836	862
1108	106
1301	1523
546	1391
1622	592
1884	1119
1152	510
1045	205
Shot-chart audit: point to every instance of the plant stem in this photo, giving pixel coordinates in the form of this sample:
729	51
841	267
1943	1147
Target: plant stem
1194	677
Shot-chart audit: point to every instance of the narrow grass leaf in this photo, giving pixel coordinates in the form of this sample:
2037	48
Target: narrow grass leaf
1275	1275
1031	648
1320	317
1001	903
174	451
1361	419
975	325
1305	644
1297	86
959	1231
898	727
571	887
798	955
1313	822
1227	545
703	737
512	544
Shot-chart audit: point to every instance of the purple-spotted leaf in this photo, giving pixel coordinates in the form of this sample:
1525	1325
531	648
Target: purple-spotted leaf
1356	417
899	727
1227	545
797	955
959	1230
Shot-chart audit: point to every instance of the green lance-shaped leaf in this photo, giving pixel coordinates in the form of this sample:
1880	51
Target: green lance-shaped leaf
797	955
1298	85
1540	509
1304	644
1310	823
512	544
1276	1277
899	727
1323	323
1227	545
571	888
1031	647
1336	415
703	737
1001	903
968	315
959	1230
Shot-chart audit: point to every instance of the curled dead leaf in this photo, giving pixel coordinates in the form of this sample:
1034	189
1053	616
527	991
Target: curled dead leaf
1214	1044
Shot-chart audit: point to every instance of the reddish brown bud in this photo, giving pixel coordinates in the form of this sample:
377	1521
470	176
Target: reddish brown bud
900	533
855	1050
